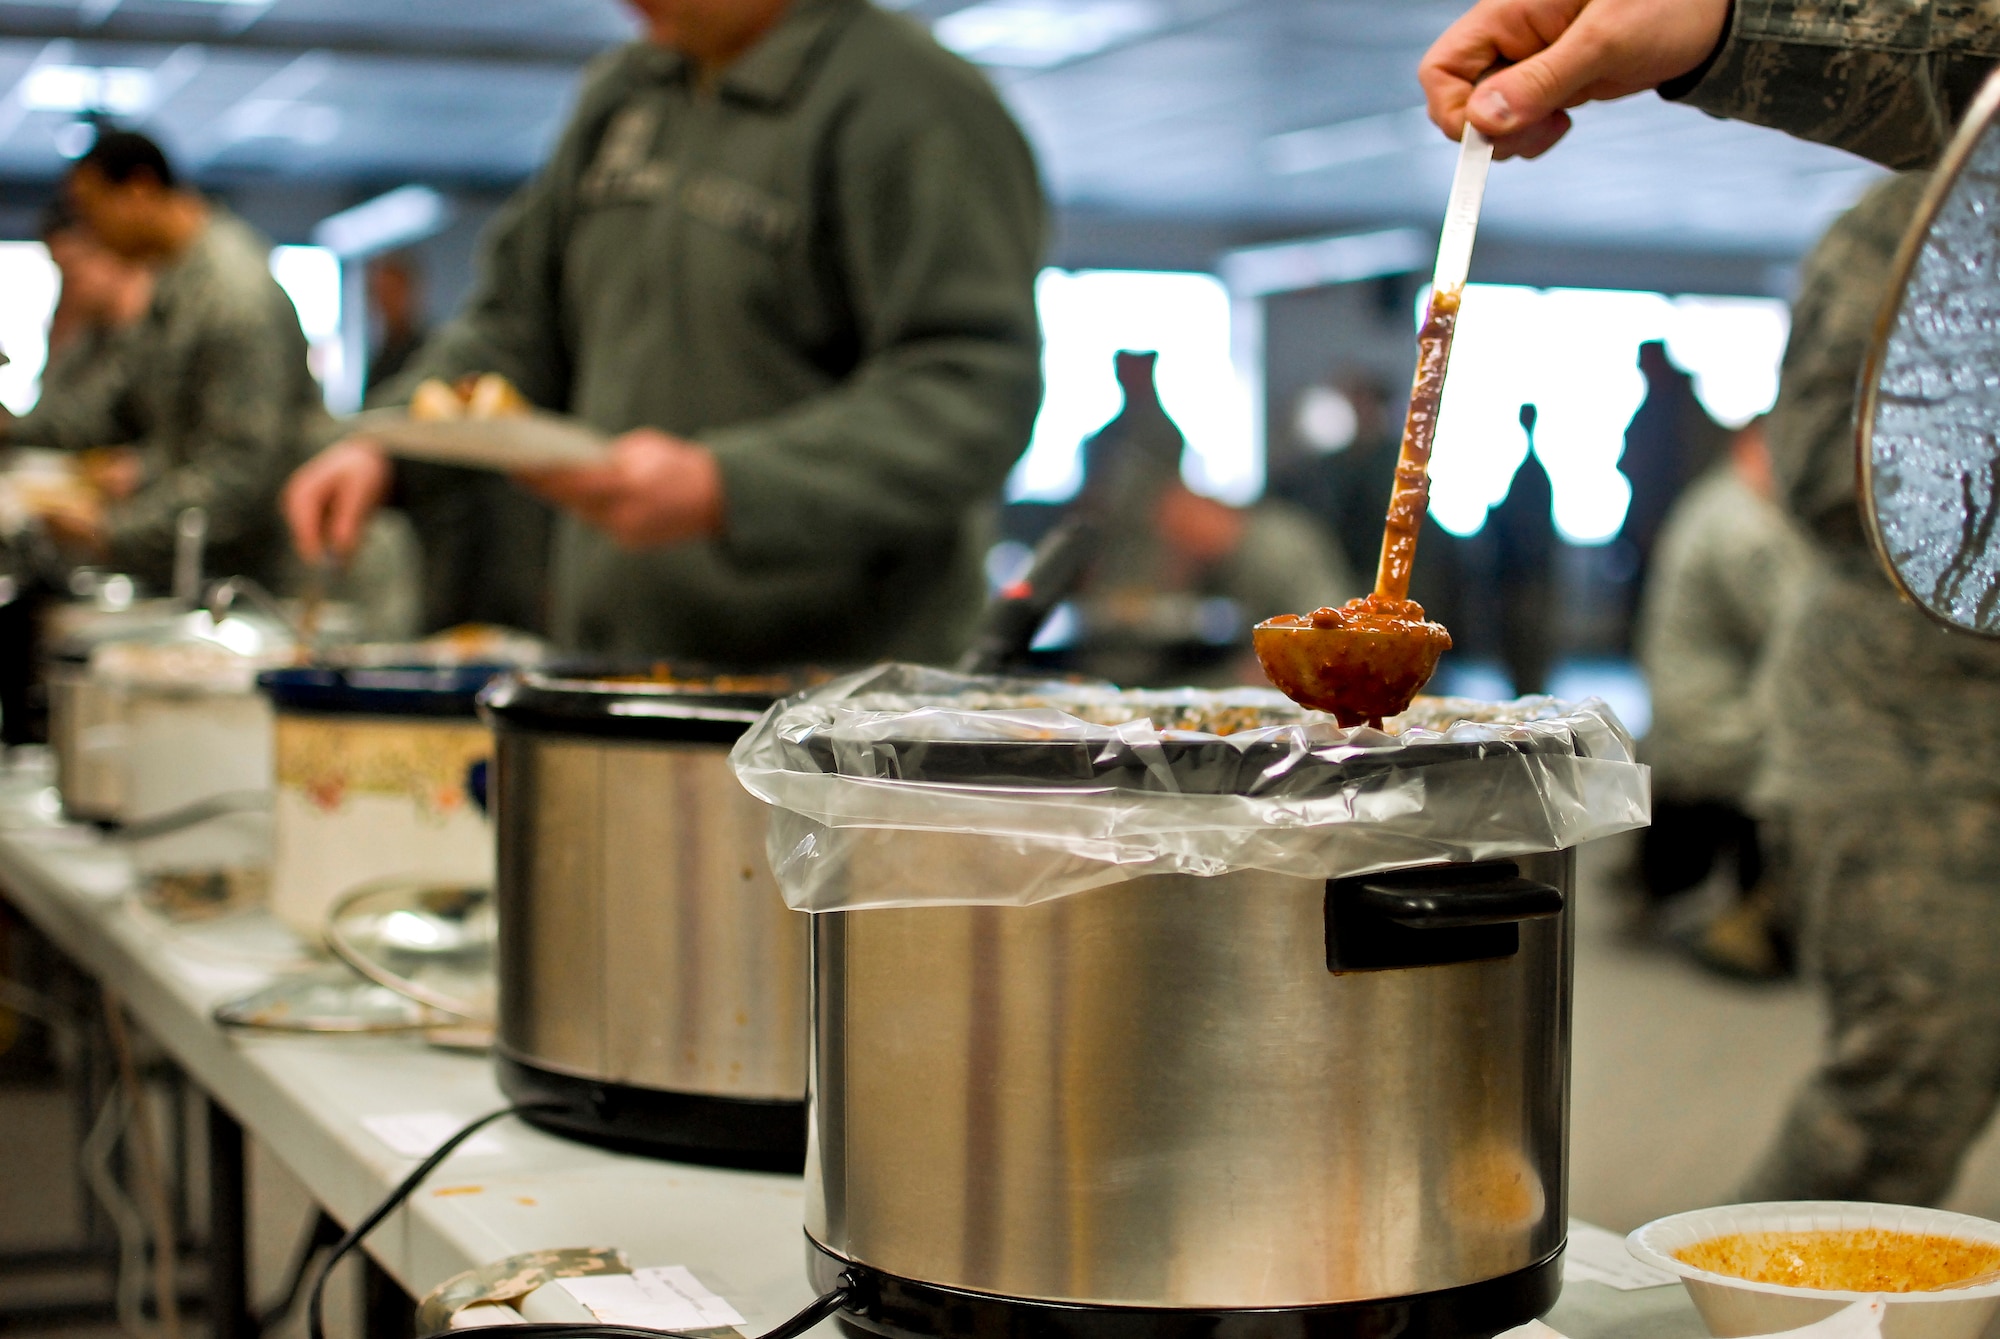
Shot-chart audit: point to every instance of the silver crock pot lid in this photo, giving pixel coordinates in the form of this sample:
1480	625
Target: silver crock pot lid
640	706
1929	452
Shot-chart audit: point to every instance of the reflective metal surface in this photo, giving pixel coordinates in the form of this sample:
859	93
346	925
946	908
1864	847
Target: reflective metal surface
1157	1094
1930	411
642	938
87	736
431	942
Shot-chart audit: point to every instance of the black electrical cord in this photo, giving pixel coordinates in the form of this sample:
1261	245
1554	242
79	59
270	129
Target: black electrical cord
316	1303
815	1311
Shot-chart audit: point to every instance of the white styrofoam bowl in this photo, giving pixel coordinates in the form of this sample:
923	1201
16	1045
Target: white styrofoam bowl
1731	1306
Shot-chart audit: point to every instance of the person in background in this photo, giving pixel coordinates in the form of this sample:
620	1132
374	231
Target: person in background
1342	475
1728	566
101	298
1670	441
1163	551
1521	540
215	394
396	306
1884	755
784	255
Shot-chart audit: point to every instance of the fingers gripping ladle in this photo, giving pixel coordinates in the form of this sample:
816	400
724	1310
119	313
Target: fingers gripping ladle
1367	659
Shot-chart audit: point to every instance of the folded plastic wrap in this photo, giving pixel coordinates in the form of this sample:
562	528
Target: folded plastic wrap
903	786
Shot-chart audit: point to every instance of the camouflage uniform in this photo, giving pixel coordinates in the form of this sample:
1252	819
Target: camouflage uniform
1885	753
1728	564
822	268
1887	79
79	395
216	392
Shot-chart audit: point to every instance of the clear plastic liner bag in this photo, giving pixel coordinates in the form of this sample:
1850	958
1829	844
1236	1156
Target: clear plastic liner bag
904	786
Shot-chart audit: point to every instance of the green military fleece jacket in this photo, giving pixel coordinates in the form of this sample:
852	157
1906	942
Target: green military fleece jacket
822	267
213	387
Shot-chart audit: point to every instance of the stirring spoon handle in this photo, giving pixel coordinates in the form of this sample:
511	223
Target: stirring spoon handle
1411	497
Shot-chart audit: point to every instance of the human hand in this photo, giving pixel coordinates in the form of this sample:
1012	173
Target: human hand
1558	54
1198	528
654	490
328	500
74	519
114	471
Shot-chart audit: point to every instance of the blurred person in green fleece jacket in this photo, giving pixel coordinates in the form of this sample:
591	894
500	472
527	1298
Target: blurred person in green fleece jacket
785	255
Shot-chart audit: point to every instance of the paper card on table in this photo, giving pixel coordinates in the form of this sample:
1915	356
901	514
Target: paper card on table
417	1134
667	1297
1599	1256
1534	1329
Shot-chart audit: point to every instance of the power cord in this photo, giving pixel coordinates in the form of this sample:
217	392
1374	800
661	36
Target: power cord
316	1303
814	1312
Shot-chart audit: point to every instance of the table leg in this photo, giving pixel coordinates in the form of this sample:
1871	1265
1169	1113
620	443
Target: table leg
228	1236
387	1311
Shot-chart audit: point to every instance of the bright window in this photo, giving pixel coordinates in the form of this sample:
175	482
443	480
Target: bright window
1087	317
1573	354
28	278
310	275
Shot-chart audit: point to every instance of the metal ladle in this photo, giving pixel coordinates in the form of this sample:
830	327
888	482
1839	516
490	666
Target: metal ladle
1928	425
1369	659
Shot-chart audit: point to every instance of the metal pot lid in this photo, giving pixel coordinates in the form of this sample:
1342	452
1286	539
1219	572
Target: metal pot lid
1929	419
649	705
450	691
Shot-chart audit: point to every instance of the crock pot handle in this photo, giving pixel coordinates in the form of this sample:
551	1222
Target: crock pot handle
1496	896
1432	917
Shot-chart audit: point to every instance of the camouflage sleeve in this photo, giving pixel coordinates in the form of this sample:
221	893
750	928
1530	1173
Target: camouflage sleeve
81	401
940	231
1886	79
239	390
1811	430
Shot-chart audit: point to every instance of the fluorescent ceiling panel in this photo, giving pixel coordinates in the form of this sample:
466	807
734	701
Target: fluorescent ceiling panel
1036	34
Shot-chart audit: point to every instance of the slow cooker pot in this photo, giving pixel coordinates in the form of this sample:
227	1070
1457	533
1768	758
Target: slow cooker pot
379	774
1162	1083
652	981
87	716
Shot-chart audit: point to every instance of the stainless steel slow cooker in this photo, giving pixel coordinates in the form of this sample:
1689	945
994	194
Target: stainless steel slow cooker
652	982
1251	1103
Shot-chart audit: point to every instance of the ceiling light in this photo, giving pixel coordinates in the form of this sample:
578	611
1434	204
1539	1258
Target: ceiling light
74	138
1036	34
396	218
1343	142
309	123
122	90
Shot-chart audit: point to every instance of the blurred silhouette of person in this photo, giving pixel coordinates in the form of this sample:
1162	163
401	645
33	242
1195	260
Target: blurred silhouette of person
214	389
1670	440
1728	564
1165	553
1522	532
396	301
102	297
1342	476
